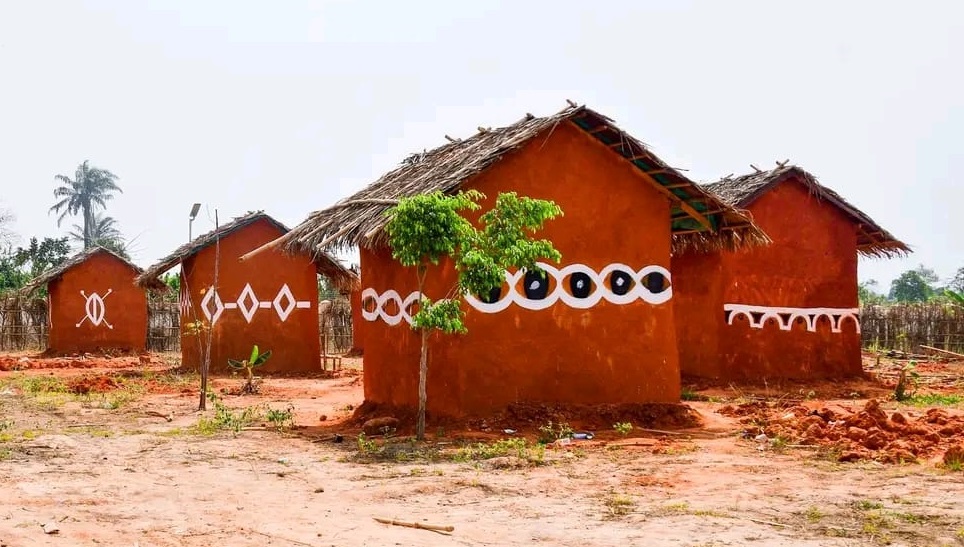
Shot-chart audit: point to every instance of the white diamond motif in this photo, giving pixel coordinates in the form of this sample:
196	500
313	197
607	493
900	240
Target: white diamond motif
248	302
212	296
283	313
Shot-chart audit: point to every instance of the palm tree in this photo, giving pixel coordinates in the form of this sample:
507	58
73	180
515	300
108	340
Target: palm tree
104	234
90	188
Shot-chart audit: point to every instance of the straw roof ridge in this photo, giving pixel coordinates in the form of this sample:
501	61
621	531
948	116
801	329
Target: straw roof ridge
700	221
328	266
872	241
53	273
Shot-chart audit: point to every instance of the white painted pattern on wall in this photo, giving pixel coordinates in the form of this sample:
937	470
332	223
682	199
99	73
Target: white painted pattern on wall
785	317
587	289
284	303
95	309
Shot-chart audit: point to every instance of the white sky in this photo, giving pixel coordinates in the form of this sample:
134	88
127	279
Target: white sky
289	106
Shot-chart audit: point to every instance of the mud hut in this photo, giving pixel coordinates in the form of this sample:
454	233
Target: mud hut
598	330
94	305
271	301
786	310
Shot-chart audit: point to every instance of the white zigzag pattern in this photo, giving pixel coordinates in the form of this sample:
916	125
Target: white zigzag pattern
786	316
638	292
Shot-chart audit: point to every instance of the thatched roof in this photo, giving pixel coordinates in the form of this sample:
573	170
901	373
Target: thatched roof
342	277
699	220
872	240
53	273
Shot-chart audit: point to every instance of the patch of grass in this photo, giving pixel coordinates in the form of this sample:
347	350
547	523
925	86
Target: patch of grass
227	419
867	505
689	395
912	518
678	508
281	419
873	522
551	432
173	432
619	505
814	514
933	399
954	465
93	431
623	428
517	447
710	513
30	434
779	443
366	445
35	385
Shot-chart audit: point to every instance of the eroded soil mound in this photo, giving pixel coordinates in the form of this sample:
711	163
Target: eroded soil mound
92	384
866	434
529	417
600	417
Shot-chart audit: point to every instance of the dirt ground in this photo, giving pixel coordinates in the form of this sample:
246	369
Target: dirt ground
111	451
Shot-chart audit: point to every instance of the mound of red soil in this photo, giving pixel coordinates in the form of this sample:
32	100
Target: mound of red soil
92	384
528	417
867	434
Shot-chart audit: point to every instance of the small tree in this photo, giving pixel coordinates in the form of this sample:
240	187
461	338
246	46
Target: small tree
425	229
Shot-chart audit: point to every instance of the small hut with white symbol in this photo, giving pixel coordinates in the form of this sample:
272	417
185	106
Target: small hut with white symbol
94	305
598	330
270	301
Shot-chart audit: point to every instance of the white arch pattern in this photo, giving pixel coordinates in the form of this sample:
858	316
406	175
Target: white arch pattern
785	317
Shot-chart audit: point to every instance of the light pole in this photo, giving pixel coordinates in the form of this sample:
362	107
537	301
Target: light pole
190	222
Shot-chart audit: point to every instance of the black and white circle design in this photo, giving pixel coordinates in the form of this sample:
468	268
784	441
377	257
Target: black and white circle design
616	283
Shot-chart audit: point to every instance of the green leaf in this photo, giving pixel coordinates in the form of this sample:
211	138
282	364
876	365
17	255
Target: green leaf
254	354
261	359
234	363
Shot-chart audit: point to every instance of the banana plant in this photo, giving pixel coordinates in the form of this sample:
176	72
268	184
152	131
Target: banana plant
956	297
248	365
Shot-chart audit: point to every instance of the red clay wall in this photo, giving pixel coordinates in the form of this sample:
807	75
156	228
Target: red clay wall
605	354
294	342
812	263
124	322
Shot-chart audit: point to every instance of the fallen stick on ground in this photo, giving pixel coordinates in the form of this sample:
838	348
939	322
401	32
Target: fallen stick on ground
768	523
444	530
944	351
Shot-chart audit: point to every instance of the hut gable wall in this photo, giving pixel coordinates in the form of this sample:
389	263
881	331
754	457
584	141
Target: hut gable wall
812	263
293	341
608	353
95	306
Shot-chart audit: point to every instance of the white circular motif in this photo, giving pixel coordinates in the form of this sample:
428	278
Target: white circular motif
639	291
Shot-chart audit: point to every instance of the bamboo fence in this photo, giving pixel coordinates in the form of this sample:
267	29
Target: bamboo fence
24	325
906	327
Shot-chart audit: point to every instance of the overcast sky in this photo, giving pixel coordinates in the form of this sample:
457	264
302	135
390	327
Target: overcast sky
288	106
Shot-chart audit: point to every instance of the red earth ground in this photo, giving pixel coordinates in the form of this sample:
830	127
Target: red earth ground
697	473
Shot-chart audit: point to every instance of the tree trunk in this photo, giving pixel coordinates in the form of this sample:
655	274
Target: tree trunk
422	388
422	362
88	226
